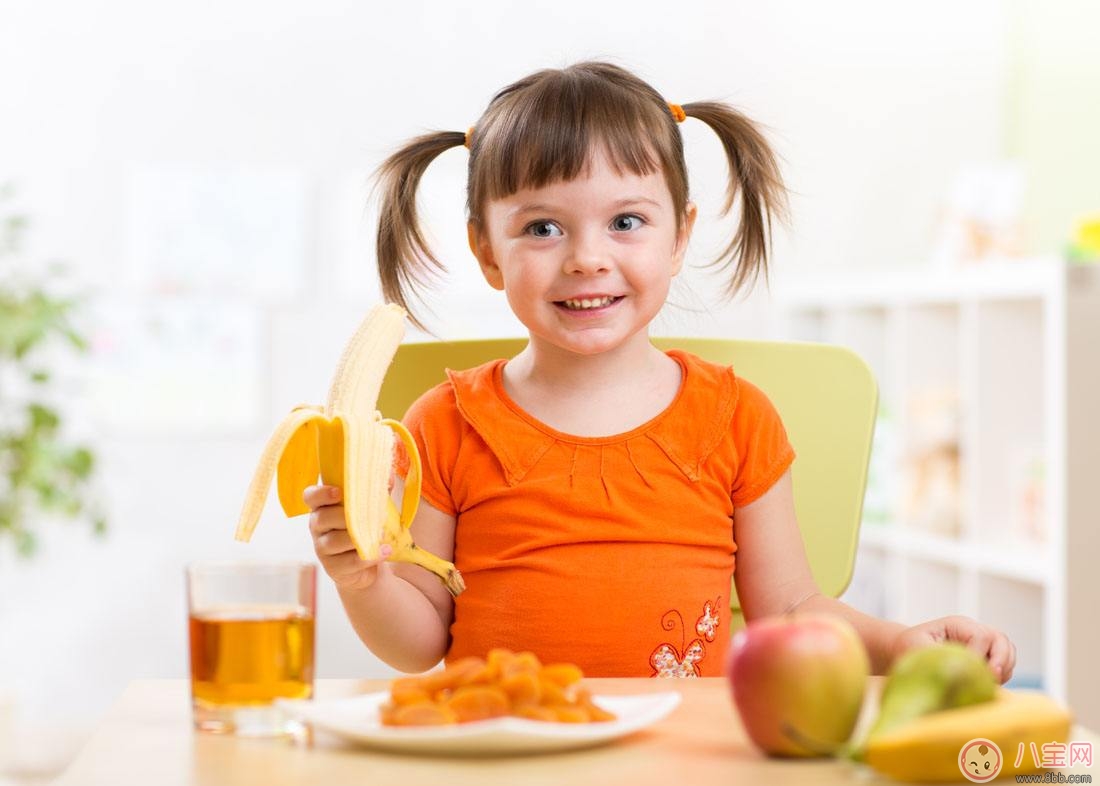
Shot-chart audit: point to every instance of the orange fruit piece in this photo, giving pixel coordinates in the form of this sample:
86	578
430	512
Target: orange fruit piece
498	660
571	714
502	683
535	712
478	702
553	695
522	663
563	674
408	690
595	713
522	689
420	715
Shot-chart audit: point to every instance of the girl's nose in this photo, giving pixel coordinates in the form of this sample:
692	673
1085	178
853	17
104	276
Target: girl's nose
587	255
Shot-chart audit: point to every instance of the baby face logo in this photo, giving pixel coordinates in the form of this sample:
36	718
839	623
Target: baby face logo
980	760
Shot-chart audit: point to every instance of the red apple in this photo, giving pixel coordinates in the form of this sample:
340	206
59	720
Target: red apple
798	682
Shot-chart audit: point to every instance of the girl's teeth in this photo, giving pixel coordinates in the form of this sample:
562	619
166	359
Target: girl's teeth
585	303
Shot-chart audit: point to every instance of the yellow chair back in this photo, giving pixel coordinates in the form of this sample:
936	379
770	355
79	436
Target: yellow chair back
825	394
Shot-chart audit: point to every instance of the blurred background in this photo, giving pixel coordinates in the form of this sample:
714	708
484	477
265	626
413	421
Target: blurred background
195	179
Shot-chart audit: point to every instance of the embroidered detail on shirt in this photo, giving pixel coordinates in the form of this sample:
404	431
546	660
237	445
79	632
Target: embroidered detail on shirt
667	661
706	625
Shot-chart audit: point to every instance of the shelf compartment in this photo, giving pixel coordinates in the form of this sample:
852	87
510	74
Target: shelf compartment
1020	563
1007	466
931	418
988	281
869	590
1017	609
931	590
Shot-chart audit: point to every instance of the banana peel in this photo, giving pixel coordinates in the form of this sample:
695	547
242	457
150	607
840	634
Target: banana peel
348	443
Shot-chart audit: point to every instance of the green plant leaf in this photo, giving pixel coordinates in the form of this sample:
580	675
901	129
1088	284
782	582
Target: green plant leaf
42	417
80	463
75	339
25	543
43	473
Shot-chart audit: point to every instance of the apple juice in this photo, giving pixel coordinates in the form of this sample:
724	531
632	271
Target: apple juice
249	655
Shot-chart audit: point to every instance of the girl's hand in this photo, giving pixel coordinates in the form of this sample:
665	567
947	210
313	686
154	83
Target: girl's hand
333	544
990	643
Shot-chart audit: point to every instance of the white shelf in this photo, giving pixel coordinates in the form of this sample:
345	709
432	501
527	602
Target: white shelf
1022	563
983	493
994	280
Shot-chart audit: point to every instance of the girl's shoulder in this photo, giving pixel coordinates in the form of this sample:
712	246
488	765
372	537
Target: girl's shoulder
708	379
461	389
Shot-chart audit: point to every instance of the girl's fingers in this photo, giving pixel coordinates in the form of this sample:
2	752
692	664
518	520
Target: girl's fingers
320	496
346	565
333	541
327	519
966	631
982	642
348	570
1002	657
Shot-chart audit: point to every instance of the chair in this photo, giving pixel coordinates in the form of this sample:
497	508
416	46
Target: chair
825	394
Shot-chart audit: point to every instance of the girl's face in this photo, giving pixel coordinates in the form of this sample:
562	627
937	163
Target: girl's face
585	264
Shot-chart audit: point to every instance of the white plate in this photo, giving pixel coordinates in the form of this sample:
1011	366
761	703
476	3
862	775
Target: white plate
357	719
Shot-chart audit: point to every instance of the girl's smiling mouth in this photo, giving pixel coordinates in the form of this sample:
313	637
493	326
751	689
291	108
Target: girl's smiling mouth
591	303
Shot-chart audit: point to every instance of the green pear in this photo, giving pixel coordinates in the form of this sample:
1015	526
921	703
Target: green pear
933	678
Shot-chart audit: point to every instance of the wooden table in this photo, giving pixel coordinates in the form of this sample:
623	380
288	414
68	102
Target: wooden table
147	739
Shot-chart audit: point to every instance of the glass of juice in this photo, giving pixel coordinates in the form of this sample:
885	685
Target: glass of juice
251	631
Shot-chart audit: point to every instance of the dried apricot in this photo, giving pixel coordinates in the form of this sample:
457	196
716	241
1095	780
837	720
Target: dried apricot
478	702
422	715
571	714
535	712
522	689
563	674
503	683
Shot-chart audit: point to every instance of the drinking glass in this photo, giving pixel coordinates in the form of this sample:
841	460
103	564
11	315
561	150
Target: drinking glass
251	631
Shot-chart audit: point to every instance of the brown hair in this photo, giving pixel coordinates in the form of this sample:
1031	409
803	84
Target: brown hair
543	129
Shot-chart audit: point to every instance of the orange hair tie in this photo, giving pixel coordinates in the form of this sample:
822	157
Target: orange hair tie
469	135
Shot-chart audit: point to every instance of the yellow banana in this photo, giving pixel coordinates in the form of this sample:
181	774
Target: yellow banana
928	748
348	444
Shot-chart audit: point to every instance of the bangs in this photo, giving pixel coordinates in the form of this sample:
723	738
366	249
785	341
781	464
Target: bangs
548	129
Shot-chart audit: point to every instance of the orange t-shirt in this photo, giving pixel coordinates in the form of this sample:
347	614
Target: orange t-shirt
615	553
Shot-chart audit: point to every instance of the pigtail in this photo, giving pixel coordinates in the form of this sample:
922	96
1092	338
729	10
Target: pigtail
405	263
754	174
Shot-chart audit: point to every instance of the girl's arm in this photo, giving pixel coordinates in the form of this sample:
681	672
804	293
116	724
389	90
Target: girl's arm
401	612
773	577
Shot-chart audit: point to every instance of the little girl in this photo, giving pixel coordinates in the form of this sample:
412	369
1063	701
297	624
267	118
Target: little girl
593	490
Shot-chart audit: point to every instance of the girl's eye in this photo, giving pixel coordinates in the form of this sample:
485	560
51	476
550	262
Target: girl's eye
626	223
543	229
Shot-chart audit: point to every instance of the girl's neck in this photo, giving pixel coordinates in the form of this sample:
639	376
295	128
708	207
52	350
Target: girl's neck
593	395
544	366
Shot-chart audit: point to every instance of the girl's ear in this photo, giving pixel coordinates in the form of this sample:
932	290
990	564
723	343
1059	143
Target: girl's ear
482	249
684	235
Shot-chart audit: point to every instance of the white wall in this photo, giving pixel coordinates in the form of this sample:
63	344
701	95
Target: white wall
872	106
1054	114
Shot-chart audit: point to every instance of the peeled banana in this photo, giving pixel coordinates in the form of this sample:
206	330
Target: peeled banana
349	444
928	748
